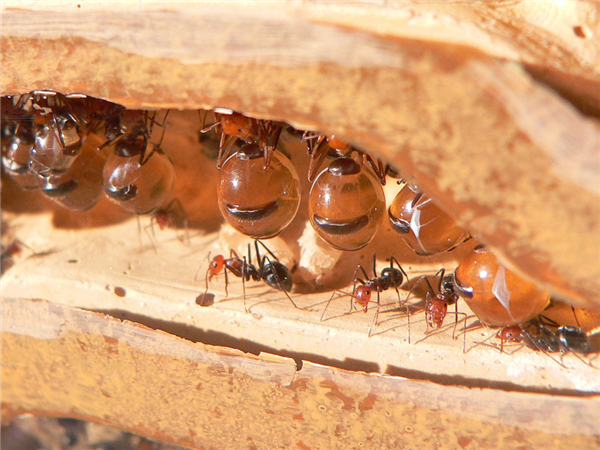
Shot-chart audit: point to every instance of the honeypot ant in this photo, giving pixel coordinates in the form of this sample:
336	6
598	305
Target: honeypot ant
322	145
58	139
346	205
264	212
18	140
137	182
274	273
40	135
425	228
390	277
232	126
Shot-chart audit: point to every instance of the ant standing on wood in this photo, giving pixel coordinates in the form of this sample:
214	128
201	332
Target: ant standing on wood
537	334
270	270
390	277
436	304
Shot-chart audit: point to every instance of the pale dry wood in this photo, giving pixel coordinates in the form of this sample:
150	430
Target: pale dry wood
80	259
208	397
460	120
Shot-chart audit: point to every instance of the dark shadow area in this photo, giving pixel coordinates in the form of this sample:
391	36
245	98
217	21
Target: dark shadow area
481	383
203	336
582	93
195	334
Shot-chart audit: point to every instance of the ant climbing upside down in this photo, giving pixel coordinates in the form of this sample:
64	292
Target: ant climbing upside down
270	270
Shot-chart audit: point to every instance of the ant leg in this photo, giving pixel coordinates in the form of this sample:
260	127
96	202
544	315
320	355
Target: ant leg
207	270
374	265
226	143
269	130
317	153
327	304
335	291
375	316
151	237
157	147
204	128
278	281
576	319
258	241
392	261
407	305
378	168
139	224
244	270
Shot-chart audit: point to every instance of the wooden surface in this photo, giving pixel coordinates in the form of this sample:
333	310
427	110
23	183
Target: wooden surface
512	160
450	94
83	259
208	397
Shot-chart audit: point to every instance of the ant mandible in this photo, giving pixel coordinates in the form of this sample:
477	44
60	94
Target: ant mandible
274	273
390	277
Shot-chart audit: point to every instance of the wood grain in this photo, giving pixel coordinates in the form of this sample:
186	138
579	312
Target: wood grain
209	397
509	158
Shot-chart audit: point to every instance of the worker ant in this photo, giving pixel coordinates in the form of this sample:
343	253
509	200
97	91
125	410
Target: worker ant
437	302
270	270
363	288
538	334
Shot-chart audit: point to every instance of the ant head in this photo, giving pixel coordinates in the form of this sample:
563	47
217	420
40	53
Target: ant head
511	333
163	218
239	126
216	266
337	144
363	295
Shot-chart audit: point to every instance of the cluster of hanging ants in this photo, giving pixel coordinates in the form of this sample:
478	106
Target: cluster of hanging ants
45	146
